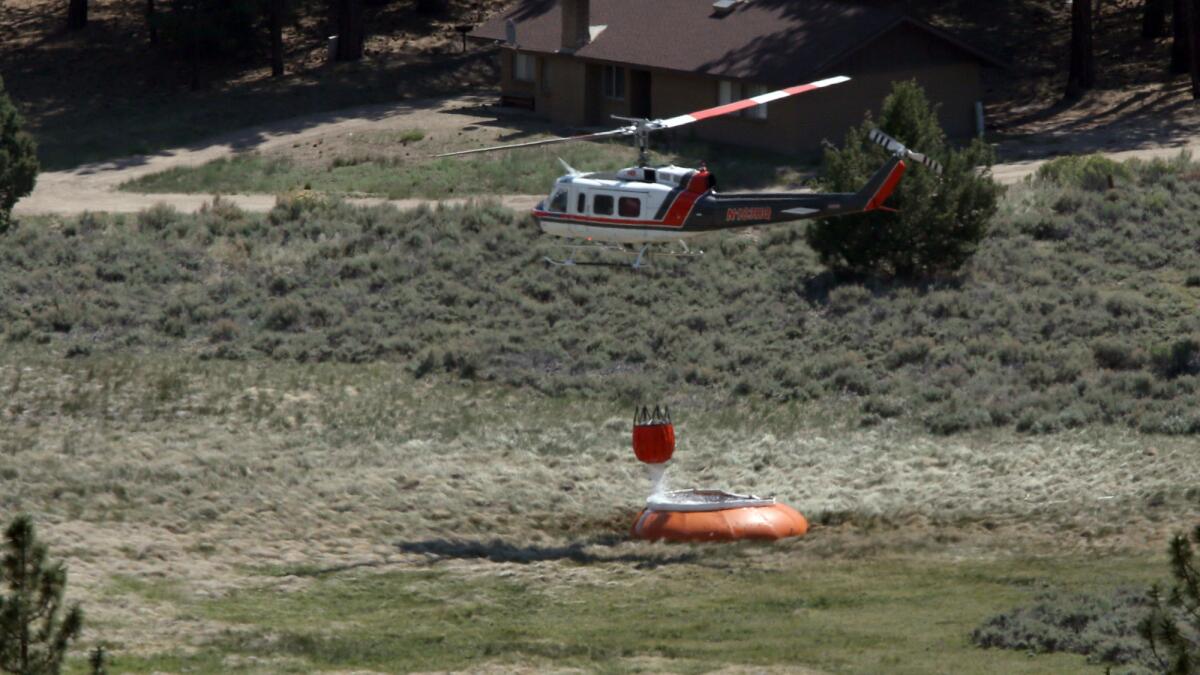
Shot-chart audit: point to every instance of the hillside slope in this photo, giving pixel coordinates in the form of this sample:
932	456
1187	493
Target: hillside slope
1077	310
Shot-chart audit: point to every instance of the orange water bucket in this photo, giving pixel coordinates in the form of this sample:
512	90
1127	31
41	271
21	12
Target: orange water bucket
653	436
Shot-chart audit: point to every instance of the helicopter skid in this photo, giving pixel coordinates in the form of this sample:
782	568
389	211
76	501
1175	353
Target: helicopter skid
614	234
640	254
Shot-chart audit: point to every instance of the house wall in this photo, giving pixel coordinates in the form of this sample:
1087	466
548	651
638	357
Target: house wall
570	93
509	85
562	96
948	76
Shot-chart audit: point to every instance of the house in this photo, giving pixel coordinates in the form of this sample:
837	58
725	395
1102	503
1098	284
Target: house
579	62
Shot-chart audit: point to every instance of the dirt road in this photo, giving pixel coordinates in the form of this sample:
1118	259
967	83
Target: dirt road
93	187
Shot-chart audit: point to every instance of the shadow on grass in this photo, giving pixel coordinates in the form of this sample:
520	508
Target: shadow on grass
500	551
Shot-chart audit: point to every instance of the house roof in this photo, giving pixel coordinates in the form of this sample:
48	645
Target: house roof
770	41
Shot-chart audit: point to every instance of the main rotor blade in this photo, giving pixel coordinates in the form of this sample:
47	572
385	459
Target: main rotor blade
751	102
623	131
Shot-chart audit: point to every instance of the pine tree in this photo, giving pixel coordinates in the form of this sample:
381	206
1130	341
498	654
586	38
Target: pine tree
33	637
939	220
98	659
18	159
1173	627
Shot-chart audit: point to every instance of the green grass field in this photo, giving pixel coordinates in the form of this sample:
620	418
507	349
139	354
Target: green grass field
723	608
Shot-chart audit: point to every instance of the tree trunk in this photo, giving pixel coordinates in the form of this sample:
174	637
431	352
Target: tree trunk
151	22
349	21
276	11
1192	13
1180	39
77	14
1083	65
1154	19
195	46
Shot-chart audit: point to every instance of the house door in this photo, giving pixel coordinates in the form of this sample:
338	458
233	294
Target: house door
639	93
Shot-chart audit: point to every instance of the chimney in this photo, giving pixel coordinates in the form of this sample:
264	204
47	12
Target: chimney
574	24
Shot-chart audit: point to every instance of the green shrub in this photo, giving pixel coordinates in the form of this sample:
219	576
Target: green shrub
1116	354
940	220
1180	357
1088	172
18	159
1102	627
283	315
157	218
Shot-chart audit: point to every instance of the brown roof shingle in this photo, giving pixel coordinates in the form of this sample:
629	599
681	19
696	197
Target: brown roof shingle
770	41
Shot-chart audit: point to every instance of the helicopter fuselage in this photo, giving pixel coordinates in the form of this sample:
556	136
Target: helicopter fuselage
644	205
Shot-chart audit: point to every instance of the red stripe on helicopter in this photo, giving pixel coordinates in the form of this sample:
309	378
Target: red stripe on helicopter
885	190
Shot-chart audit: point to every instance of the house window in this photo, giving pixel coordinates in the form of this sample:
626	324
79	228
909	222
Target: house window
523	67
758	112
629	207
602	205
728	92
614	82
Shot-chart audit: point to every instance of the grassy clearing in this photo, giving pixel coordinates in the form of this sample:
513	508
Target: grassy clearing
397	165
901	615
275	516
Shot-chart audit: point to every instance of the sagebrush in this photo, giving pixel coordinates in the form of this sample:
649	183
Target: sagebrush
1075	311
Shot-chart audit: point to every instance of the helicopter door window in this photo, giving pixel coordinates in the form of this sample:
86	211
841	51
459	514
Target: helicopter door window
558	202
602	205
629	207
581	203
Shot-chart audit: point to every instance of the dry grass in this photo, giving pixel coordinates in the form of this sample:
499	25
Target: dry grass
167	482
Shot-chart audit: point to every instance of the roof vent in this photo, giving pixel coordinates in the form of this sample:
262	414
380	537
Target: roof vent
723	7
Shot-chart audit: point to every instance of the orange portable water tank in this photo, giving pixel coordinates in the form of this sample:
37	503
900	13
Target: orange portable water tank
767	520
653	435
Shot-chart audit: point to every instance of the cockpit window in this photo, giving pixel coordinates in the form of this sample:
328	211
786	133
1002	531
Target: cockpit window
559	201
581	203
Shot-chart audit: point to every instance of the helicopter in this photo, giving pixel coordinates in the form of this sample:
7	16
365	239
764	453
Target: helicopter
645	205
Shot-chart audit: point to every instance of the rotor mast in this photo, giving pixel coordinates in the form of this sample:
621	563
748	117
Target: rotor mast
640	129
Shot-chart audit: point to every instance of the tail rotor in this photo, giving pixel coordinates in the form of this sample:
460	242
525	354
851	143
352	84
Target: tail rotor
900	150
